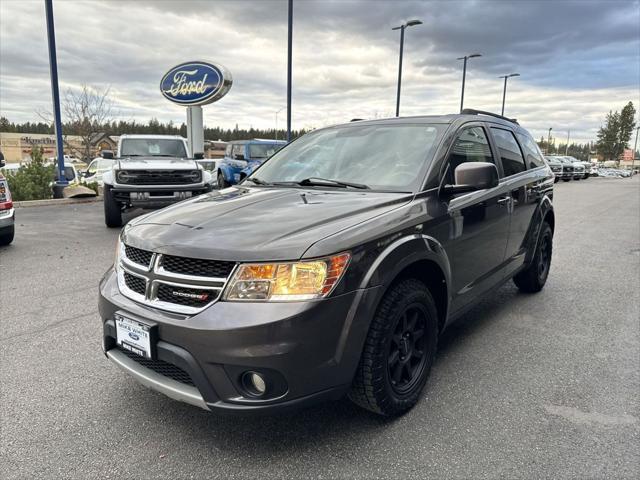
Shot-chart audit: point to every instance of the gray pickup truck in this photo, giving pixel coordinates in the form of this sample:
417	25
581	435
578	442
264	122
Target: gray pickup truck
150	171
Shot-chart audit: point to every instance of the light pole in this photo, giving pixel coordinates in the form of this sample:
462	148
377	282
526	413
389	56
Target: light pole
549	140
566	148
410	23
504	91
289	67
464	74
635	148
277	112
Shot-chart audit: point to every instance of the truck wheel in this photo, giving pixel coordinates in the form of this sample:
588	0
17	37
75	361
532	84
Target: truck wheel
533	278
7	234
566	179
398	351
222	183
112	209
556	180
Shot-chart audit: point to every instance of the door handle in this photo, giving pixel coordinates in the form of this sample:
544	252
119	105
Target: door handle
504	200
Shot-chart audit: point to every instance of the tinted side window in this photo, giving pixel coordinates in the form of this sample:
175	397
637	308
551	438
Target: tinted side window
470	146
512	161
531	151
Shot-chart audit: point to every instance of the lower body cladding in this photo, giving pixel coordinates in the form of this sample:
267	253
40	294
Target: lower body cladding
244	356
7	219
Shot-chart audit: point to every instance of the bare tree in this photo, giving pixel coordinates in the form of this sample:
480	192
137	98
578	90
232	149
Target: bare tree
85	112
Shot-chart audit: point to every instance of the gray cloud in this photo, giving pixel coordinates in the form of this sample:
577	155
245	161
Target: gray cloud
578	59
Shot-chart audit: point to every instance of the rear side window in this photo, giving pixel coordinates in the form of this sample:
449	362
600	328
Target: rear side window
470	146
531	151
512	161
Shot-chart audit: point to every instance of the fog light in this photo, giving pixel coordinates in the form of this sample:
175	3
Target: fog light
254	383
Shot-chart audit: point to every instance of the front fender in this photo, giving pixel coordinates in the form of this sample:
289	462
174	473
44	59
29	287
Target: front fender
227	173
107	177
403	252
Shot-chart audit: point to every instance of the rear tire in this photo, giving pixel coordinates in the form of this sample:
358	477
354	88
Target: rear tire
7	234
533	278
112	209
398	351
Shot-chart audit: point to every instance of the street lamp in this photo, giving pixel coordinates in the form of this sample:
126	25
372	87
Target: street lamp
464	74
277	112
549	141
410	23
504	91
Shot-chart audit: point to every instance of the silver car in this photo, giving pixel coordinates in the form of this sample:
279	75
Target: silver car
7	212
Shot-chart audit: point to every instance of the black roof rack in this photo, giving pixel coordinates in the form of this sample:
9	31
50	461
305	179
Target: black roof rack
471	111
356	119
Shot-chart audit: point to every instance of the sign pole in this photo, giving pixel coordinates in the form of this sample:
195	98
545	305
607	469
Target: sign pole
55	94
195	130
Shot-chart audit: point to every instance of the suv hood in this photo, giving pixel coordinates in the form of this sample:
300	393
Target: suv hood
156	163
256	224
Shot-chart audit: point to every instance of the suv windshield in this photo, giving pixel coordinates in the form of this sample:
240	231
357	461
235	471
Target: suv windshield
263	150
152	147
384	157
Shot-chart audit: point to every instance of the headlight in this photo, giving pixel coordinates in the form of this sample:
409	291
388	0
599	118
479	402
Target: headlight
122	176
195	176
287	282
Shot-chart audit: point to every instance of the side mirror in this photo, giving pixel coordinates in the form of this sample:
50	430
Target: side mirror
238	156
472	176
107	154
2	163
198	156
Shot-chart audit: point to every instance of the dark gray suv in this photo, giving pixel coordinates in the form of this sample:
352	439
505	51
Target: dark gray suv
333	268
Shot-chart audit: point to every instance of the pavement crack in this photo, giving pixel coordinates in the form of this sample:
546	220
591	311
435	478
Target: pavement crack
50	326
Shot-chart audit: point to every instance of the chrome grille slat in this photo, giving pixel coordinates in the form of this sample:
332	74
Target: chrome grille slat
183	292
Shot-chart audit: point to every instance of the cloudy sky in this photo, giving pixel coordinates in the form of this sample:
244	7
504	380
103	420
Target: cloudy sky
577	59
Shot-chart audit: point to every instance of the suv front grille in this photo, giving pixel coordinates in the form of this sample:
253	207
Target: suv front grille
160	177
163	368
177	284
197	267
135	284
142	257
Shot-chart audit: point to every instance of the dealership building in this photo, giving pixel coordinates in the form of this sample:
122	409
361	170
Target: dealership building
16	147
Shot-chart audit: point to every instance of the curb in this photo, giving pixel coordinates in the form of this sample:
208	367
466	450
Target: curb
56	201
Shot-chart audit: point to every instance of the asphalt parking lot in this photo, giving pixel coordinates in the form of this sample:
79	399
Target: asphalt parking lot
525	386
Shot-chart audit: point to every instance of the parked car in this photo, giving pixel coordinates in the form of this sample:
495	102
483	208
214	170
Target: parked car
333	268
7	212
567	167
96	169
150	171
556	167
242	157
581	169
70	173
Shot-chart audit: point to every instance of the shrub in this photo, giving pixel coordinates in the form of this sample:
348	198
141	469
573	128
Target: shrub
33	180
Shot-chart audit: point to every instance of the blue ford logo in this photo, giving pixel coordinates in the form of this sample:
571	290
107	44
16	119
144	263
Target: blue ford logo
195	83
134	336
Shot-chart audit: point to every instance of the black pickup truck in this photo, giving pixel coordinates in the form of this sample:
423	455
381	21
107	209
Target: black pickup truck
333	268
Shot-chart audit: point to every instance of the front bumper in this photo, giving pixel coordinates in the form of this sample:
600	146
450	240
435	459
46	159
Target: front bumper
7	218
307	351
157	196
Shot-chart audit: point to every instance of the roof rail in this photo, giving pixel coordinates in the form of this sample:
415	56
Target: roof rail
471	111
356	119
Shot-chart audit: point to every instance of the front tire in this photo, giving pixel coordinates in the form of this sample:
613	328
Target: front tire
533	278
112	209
222	183
398	352
6	235
566	179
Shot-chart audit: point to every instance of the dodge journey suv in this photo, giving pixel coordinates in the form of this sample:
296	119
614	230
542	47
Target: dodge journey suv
333	268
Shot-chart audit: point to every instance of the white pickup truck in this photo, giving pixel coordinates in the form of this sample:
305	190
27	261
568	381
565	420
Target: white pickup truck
150	171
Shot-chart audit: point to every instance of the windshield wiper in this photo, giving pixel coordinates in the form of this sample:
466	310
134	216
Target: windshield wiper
327	182
258	181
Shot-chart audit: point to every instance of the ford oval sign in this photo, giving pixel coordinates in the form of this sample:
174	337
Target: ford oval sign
195	83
